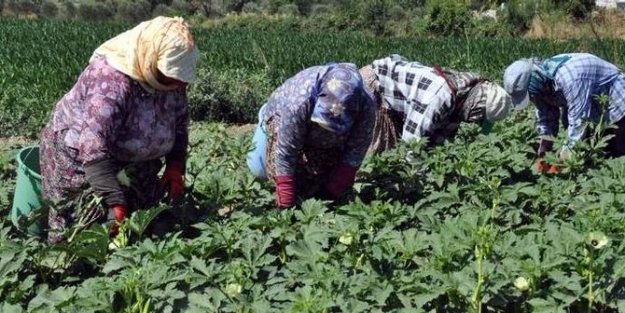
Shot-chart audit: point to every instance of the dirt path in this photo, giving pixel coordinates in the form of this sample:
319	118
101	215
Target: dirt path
8	142
238	130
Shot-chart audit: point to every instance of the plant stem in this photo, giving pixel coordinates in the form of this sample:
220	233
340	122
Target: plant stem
482	251
590	295
476	299
590	291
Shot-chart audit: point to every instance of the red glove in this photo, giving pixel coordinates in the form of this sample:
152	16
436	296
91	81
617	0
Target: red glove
342	179
173	178
119	211
543	167
554	169
285	190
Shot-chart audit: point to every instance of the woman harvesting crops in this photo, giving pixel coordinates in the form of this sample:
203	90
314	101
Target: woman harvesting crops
569	84
313	133
419	102
127	109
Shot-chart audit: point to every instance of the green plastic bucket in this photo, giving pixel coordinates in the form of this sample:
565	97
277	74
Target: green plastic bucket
27	212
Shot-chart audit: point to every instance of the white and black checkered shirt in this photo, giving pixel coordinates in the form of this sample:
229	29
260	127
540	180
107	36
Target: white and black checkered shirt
422	95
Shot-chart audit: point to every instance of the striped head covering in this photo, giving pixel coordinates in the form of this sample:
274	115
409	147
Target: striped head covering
481	100
162	44
527	77
489	97
338	97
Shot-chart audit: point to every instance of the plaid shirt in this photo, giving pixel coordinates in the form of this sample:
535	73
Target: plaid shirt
423	96
577	82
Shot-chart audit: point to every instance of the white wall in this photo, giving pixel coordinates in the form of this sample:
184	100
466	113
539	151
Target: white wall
610	3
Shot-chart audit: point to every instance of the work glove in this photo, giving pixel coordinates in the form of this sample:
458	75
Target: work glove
342	178
542	165
117	214
173	180
285	191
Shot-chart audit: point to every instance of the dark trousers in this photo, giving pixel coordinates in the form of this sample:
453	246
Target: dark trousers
616	144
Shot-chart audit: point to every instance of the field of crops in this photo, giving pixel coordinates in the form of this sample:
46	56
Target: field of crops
467	227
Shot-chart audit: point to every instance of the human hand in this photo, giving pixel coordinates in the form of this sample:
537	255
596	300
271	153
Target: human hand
544	167
119	212
173	179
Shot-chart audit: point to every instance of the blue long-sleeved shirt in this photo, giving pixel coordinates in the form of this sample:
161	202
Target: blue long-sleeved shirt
578	82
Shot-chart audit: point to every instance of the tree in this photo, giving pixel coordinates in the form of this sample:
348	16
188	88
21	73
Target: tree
235	5
205	5
578	9
133	11
303	6
22	7
375	14
48	9
154	3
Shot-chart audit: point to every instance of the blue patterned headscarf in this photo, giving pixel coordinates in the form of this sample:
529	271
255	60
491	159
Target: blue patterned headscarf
544	71
337	95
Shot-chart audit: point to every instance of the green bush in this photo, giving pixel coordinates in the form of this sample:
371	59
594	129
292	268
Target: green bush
181	7
48	9
518	15
133	11
22	7
288	9
577	9
163	10
251	7
448	17
409	4
397	13
258	22
335	21
375	14
67	10
320	9
415	26
95	11
233	95
485	28
272	6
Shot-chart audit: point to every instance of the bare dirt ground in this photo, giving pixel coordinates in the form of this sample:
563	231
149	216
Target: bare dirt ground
604	24
7	142
239	130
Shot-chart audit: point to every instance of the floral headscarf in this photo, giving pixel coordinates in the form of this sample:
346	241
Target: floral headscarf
338	97
162	44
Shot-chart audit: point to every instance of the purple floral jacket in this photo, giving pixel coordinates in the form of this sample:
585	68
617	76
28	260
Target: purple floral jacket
107	113
290	105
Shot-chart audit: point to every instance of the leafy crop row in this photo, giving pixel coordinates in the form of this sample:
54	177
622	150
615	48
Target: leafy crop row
467	227
40	60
